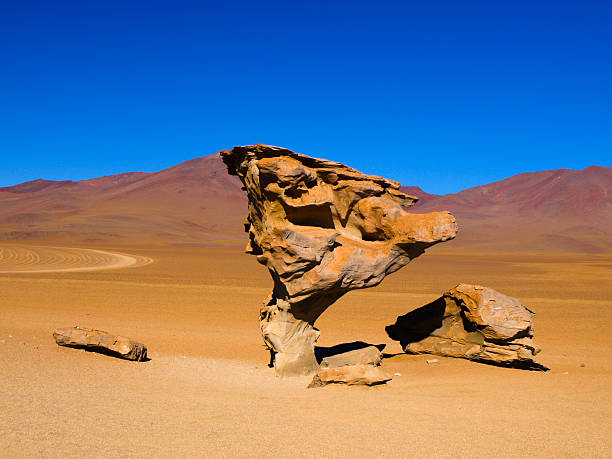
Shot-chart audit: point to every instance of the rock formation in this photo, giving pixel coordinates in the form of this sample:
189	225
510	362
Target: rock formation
322	229
102	342
471	322
354	375
365	356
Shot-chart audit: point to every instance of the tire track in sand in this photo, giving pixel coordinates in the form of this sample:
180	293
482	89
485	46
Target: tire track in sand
43	259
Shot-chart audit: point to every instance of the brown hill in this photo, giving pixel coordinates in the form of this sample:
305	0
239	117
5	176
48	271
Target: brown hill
197	202
423	196
558	210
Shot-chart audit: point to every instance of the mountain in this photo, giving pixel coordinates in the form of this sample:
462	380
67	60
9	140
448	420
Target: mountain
558	210
197	202
423	196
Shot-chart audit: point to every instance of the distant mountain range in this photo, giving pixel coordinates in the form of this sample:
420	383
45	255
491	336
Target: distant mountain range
559	210
195	202
198	203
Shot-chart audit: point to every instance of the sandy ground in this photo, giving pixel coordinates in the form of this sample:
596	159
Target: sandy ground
44	259
207	391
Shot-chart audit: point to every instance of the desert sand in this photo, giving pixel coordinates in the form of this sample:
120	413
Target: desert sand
207	390
42	259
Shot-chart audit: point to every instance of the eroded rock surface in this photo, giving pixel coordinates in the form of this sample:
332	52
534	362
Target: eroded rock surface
322	229
102	342
354	375
365	356
471	322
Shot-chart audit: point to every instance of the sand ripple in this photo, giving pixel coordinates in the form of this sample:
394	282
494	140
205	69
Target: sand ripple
41	259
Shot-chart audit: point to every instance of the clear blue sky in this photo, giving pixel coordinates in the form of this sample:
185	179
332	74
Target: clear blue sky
441	94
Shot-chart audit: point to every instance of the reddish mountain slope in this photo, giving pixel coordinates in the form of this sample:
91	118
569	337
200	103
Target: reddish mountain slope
197	202
194	202
560	210
423	196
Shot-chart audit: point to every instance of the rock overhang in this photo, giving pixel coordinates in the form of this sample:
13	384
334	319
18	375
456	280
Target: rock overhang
322	229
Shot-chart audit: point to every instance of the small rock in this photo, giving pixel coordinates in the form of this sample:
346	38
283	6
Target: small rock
583	364
363	375
11	336
397	374
473	322
102	342
432	361
365	356
565	373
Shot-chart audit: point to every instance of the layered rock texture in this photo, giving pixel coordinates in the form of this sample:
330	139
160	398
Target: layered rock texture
370	355
471	322
354	375
322	229
101	342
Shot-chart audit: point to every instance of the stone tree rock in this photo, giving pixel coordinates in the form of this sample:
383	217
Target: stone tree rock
322	229
471	322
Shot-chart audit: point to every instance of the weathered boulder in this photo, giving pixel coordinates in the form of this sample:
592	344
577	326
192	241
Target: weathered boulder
365	356
322	229
471	322
354	375
102	342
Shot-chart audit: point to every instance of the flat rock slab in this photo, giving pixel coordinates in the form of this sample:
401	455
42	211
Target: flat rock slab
357	375
365	356
101	342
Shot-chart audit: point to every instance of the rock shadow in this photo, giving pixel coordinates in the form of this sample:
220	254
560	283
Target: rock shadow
107	352
418	324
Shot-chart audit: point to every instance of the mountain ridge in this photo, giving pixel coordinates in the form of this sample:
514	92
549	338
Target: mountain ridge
197	202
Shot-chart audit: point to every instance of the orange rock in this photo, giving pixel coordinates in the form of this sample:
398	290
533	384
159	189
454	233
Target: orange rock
471	322
355	375
102	342
322	229
369	355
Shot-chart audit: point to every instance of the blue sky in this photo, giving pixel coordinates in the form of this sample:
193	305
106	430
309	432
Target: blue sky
443	94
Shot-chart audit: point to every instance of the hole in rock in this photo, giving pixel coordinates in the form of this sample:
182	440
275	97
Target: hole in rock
320	216
295	192
373	237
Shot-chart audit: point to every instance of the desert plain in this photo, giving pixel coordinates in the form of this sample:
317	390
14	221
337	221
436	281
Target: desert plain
200	202
207	389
